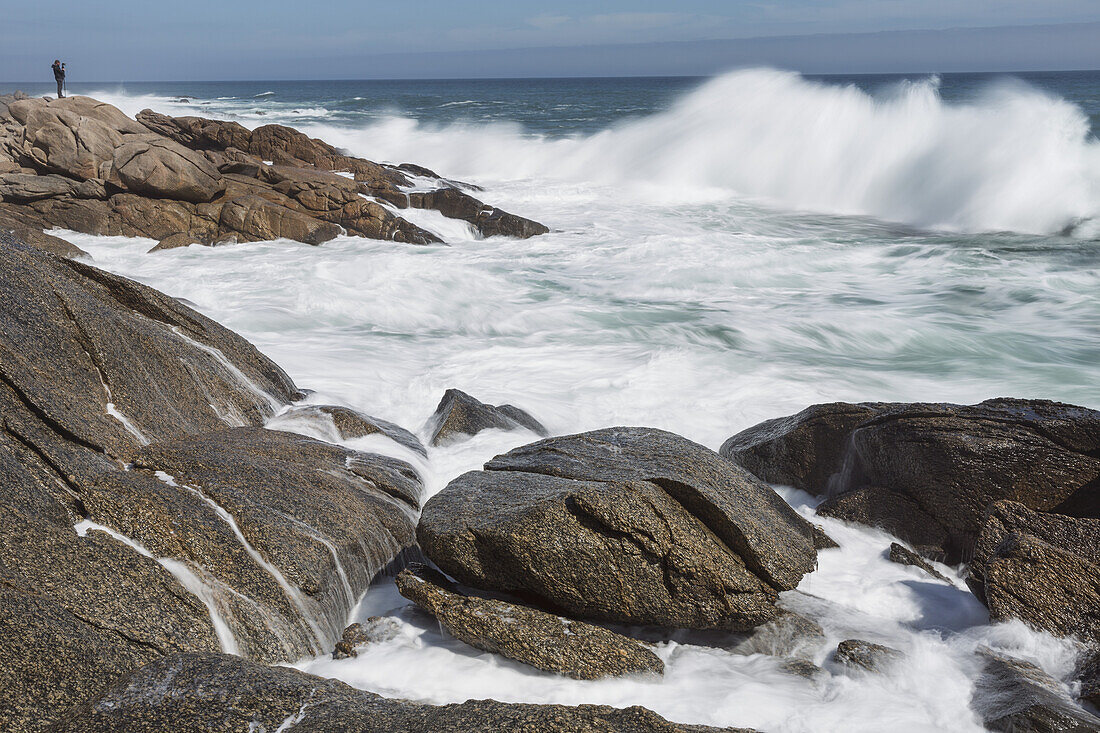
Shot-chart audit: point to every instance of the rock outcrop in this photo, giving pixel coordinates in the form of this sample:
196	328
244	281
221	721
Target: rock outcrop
1043	569
552	643
928	472
1012	695
213	692
628	525
80	164
144	511
459	414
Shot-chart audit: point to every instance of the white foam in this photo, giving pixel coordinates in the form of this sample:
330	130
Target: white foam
1015	159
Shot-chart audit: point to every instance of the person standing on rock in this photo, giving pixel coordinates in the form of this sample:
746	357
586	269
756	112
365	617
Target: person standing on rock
59	77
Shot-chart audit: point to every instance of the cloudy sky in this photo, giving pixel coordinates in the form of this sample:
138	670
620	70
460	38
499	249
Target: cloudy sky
135	40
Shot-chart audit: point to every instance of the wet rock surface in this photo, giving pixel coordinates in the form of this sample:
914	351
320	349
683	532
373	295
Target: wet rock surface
1040	568
214	692
627	525
788	635
356	636
143	510
349	424
1012	695
460	415
860	654
928	472
902	555
543	640
78	163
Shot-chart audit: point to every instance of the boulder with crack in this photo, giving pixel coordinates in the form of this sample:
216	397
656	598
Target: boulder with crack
543	640
627	525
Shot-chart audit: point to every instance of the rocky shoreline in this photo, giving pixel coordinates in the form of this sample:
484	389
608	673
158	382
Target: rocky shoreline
80	164
165	544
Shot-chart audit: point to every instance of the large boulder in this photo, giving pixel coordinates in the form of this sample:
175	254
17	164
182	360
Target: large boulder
458	414
552	643
1043	569
143	511
161	168
212	692
629	525
928	472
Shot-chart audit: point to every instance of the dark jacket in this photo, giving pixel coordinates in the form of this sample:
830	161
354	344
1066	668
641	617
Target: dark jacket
58	72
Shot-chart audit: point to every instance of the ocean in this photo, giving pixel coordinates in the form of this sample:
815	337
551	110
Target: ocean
723	251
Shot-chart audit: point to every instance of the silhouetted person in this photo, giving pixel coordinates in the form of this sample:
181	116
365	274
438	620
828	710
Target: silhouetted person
59	77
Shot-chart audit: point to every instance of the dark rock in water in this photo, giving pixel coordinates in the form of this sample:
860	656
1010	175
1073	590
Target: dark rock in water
552	643
1015	696
134	521
375	629
893	512
788	635
823	541
904	556
179	239
460	414
804	450
215	692
1088	675
857	653
629	525
1043	569
927	472
802	668
351	424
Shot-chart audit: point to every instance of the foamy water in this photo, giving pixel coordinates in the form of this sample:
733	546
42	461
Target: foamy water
702	275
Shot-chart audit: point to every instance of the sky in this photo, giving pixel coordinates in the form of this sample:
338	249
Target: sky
136	40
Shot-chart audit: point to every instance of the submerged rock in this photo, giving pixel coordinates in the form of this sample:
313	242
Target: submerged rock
374	629
628	525
459	414
788	635
552	643
860	654
1088	676
1013	696
927	472
904	556
215	692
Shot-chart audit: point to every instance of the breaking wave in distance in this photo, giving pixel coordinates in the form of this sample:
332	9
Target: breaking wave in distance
1014	159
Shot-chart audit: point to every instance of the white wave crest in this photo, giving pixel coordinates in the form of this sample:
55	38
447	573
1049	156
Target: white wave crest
1014	159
